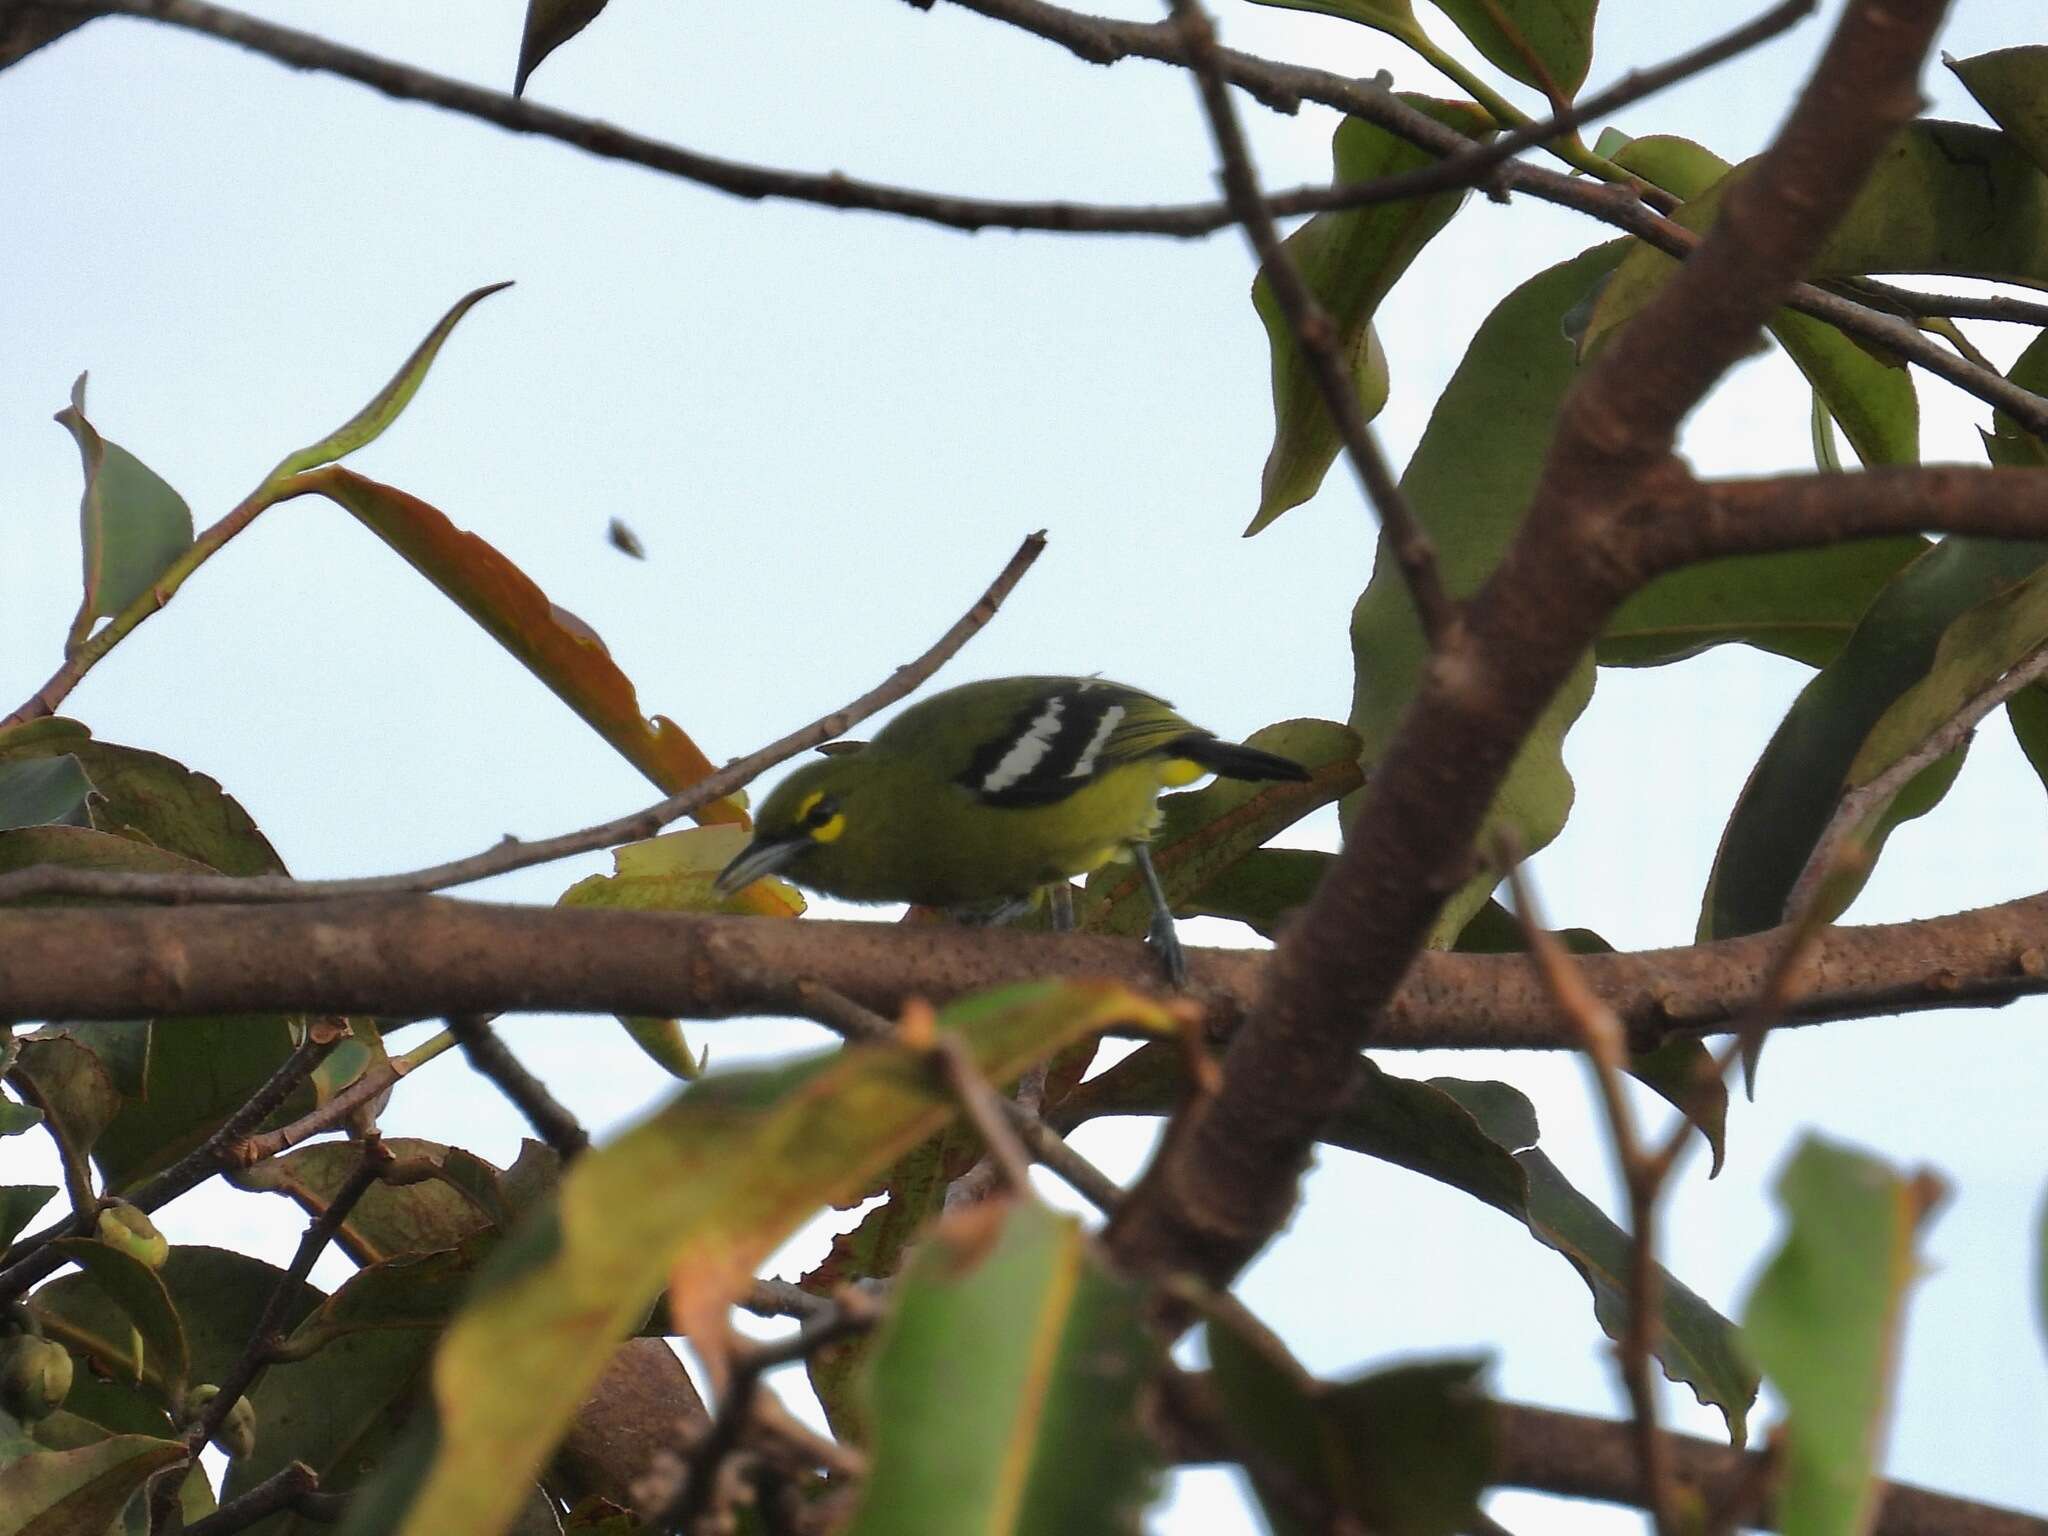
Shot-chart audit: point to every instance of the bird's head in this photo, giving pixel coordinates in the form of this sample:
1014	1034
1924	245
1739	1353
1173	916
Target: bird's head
805	811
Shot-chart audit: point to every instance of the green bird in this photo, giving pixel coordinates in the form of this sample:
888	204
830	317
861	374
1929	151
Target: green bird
980	796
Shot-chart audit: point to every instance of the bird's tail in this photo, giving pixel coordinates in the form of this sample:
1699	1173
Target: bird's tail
1235	761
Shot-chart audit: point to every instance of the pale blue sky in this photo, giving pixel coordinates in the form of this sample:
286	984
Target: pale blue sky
829	430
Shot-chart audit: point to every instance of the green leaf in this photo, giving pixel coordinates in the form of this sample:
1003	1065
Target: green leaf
140	1293
390	1221
1544	43
1944	197
1394	17
219	1296
18	1206
1468	483
2011	85
1262	888
1349	260
696	1195
1405	1451
549	24
1204	832
1479	1137
1825	1319
368	424
77	1096
76	1493
151	799
1792	793
40	792
1826	455
113	1408
132	525
16	1118
1006	1384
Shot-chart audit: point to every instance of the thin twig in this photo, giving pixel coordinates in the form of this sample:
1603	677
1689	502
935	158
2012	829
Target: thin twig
694	1498
1605	1044
511	854
529	1095
984	1108
376	1079
282	1490
1864	801
33	1259
1955	306
1314	331
246	1371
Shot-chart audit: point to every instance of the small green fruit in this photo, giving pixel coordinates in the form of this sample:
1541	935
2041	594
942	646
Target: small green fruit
35	1377
128	1228
237	1432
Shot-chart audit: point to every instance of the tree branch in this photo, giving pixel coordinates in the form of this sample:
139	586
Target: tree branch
1224	1184
494	1060
404	957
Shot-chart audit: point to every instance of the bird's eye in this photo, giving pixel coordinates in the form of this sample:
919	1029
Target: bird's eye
819	814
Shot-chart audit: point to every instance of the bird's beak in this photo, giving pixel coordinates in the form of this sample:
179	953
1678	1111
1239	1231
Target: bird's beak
763	856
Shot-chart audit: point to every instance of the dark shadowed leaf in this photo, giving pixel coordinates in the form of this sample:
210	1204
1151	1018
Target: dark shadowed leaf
19	1204
81	1492
1825	1319
1405	1451
2012	86
368	424
390	1221
696	1195
74	1091
1348	260
1204	832
1263	887
140	1293
1792	792
41	791
1005	1387
132	524
1468	482
549	24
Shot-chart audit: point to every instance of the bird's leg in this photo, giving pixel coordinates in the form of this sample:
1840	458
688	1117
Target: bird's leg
1062	896
1161	935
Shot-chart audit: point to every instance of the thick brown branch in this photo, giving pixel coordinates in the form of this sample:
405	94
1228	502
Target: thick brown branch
1225	1183
429	956
1589	1458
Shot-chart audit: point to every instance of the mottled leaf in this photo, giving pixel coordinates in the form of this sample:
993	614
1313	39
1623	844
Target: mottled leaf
1349	260
1825	1319
1005	1387
77	1493
390	1221
368	424
1470	478
1405	1451
696	1195
131	523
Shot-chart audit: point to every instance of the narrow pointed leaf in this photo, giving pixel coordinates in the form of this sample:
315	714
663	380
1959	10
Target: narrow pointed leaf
1348	260
696	1196
368	424
1005	1388
2012	86
550	642
1825	1320
132	525
74	1493
549	24
1468	483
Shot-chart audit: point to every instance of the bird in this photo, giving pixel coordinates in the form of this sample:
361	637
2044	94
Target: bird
978	798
